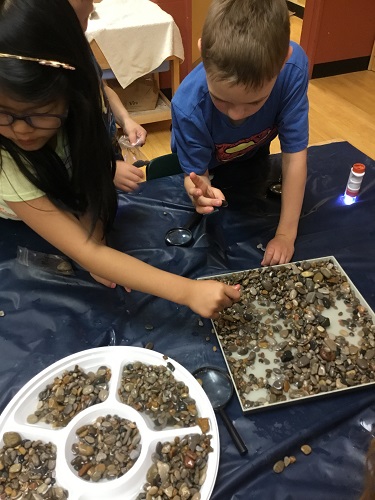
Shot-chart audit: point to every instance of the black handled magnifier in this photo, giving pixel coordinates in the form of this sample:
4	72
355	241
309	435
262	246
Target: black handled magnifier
219	389
276	187
183	236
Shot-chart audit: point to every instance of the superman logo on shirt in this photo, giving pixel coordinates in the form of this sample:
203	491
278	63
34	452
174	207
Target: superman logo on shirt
229	151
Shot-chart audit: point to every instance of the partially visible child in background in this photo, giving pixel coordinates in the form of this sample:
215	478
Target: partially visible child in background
56	158
127	176
251	87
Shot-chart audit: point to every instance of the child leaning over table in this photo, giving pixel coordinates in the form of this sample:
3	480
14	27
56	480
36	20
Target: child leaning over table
251	87
127	176
56	159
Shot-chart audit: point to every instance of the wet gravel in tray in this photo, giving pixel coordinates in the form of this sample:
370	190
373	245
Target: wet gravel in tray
279	342
27	469
106	449
178	469
153	390
69	394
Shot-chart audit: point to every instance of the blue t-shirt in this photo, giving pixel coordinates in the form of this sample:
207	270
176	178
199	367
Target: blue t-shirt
203	137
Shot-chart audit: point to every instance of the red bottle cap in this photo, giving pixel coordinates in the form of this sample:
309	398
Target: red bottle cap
359	168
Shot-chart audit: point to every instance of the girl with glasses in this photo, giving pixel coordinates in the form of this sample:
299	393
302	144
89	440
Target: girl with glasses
56	160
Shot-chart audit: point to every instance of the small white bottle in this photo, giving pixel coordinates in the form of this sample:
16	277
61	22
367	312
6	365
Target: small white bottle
355	179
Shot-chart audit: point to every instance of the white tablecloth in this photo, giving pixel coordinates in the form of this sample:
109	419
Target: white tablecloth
135	36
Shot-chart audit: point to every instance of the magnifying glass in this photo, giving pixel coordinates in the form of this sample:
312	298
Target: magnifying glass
219	389
276	187
183	236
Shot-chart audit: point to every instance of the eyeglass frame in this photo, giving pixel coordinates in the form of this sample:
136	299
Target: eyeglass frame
28	119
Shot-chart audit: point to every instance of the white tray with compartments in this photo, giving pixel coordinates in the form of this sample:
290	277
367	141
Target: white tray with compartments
14	419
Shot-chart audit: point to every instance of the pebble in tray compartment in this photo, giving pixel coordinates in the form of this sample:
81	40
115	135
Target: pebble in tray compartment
179	469
69	394
279	341
154	390
27	469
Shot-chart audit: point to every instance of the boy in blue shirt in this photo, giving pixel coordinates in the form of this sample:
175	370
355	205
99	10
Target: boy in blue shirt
251	87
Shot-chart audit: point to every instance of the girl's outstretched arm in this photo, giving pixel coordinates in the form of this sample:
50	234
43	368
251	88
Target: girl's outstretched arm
70	236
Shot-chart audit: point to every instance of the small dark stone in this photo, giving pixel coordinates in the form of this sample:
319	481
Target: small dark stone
313	344
326	302
286	356
324	321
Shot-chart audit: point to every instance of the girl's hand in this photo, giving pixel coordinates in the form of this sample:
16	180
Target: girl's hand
208	297
103	281
279	250
127	176
205	197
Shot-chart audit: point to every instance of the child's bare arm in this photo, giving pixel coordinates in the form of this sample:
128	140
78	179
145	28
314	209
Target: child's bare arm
71	237
281	248
136	133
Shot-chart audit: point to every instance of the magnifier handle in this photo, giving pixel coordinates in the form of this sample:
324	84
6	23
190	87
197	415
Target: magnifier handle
237	439
193	221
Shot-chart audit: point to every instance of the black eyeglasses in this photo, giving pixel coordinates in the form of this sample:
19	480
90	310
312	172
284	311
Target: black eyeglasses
43	121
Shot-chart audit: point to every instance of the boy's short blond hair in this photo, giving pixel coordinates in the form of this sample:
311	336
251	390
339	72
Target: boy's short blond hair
245	42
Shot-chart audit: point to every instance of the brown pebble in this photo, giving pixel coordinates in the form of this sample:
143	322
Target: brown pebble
11	439
279	466
83	470
306	449
64	267
204	424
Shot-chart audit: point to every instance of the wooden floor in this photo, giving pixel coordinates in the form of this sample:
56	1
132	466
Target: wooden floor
341	108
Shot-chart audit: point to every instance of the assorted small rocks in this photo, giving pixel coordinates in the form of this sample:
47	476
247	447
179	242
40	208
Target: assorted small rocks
106	449
27	469
279	342
281	465
153	390
69	394
178	469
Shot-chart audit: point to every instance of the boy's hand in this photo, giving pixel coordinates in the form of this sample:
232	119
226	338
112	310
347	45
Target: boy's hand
204	197
279	250
127	176
208	297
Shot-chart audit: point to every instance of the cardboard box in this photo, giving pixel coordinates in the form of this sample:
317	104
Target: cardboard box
141	95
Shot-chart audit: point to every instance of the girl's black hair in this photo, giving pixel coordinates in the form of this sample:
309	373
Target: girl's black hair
49	29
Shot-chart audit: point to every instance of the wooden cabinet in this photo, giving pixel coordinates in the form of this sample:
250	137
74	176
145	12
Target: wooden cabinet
338	35
189	15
